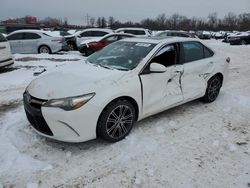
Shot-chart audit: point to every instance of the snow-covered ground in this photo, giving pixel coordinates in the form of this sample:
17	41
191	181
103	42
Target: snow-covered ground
193	145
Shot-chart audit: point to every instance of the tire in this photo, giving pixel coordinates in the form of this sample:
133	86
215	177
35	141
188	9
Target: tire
243	42
116	121
44	50
71	46
213	89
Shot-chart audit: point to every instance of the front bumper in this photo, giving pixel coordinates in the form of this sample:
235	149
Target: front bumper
32	107
68	126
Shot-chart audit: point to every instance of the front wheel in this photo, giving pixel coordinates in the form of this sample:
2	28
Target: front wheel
213	89
116	121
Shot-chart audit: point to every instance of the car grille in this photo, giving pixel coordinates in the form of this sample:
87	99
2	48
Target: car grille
33	112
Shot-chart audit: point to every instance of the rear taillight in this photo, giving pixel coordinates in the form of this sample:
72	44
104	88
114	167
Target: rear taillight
228	60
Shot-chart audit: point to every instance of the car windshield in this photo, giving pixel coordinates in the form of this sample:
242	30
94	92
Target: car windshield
121	55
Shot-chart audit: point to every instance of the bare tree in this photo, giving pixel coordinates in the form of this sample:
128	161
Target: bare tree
92	22
213	20
111	21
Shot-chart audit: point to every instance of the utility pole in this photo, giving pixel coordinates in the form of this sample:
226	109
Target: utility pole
87	17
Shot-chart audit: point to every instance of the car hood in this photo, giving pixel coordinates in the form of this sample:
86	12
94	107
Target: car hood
73	79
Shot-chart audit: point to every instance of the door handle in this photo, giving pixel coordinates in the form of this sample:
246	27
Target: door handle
211	62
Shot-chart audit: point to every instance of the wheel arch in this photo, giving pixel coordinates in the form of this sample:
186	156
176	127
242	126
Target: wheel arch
220	76
129	99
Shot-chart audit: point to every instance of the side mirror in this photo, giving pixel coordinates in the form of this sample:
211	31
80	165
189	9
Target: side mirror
157	68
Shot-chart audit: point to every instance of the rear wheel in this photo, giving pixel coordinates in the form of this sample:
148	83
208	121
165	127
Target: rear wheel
116	121
44	50
213	89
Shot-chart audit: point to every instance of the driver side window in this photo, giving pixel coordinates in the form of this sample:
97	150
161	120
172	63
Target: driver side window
167	56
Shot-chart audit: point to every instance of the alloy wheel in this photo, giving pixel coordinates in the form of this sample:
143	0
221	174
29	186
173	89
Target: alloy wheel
44	50
214	89
119	121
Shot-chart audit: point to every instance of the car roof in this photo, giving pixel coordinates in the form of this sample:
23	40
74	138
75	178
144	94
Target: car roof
158	40
131	28
119	34
98	29
28	31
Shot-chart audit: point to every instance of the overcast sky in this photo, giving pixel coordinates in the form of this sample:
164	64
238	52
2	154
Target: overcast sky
125	10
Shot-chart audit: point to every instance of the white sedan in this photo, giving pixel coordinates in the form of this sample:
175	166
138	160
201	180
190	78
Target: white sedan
125	82
35	41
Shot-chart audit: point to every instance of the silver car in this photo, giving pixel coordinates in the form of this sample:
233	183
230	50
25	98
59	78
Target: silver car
35	41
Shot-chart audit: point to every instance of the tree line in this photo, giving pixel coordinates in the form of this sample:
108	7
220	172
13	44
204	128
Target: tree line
229	22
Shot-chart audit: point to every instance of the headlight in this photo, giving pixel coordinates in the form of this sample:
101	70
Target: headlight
70	103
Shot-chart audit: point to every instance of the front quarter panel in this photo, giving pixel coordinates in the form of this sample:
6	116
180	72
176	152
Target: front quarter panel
80	125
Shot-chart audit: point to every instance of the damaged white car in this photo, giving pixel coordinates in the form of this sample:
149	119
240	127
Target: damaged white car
125	82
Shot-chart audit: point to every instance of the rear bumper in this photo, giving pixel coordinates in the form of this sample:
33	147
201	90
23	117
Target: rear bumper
6	62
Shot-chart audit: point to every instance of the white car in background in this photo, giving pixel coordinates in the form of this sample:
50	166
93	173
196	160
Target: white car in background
90	34
125	82
5	53
139	32
35	41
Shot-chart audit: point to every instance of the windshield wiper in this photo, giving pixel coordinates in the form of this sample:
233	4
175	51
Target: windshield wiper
104	66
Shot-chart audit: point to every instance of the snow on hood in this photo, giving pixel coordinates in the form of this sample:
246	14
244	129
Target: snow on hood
72	80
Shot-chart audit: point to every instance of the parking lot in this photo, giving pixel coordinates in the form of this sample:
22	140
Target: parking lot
193	145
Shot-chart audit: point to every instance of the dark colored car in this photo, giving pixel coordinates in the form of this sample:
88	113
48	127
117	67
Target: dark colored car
175	34
241	39
97	44
9	28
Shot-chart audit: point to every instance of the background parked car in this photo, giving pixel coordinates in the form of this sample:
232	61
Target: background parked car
219	35
88	47
141	32
14	27
5	53
240	39
69	39
204	34
90	33
174	33
35	41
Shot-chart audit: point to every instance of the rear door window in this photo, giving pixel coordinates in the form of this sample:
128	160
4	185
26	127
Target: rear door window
30	36
87	34
208	52
2	38
193	51
99	33
135	32
17	36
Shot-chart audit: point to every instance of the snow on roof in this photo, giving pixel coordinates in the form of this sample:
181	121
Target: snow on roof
158	40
